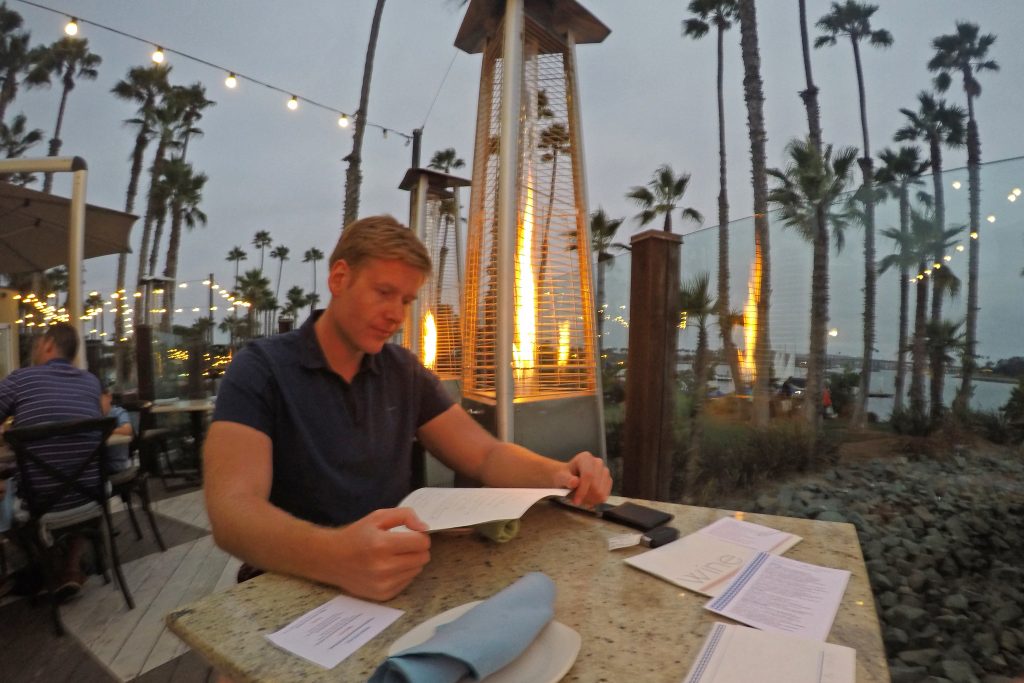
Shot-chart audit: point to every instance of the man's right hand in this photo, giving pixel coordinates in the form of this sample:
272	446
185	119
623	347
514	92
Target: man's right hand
377	563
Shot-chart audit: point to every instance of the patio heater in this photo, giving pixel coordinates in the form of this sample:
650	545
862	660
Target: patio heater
530	368
433	331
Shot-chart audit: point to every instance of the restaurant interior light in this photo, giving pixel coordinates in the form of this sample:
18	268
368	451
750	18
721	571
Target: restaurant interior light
71	28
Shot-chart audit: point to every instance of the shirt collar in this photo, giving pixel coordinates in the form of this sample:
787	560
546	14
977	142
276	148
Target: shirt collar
312	355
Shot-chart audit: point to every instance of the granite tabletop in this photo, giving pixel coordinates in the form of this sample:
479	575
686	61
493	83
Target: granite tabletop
633	626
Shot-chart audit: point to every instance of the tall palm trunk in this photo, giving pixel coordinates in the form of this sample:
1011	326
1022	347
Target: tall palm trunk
724	317
918	350
901	344
817	360
120	357
171	266
753	94
963	395
55	140
937	361
867	171
354	173
152	209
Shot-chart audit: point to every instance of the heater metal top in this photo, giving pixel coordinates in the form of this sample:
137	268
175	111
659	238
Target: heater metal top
561	16
437	182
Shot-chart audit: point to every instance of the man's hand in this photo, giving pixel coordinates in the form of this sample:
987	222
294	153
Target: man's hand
588	477
376	563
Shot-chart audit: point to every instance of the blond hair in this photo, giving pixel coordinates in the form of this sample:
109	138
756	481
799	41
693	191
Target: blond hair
381	237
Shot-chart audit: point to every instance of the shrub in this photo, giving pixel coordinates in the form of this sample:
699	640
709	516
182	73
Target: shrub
843	386
907	422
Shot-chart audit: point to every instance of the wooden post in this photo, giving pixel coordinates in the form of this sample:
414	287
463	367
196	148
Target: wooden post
651	365
144	362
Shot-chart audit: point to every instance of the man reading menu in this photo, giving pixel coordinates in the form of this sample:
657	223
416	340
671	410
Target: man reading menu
311	442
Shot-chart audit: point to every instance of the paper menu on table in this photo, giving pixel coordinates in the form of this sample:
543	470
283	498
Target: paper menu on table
333	631
784	595
737	654
706	560
449	508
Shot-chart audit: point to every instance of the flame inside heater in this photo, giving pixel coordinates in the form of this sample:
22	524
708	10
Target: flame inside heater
429	337
747	365
526	317
563	344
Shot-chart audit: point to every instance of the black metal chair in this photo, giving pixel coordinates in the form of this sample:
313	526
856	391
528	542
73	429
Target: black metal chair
151	443
45	526
134	481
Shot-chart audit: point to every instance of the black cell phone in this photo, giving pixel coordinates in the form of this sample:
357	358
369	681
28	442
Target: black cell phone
636	516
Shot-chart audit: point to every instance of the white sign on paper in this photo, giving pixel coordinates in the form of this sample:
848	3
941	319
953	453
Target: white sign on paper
448	508
333	631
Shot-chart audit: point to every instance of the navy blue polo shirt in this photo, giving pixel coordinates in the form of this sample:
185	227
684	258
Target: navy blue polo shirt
340	450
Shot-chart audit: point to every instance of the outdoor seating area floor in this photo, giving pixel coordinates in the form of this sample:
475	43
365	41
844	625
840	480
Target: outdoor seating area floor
106	642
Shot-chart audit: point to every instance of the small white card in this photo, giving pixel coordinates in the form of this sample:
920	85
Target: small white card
624	541
333	631
784	595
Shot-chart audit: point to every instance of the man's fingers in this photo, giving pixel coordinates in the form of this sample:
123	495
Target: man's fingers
391	517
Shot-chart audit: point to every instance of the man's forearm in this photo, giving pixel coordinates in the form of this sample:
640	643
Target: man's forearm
511	465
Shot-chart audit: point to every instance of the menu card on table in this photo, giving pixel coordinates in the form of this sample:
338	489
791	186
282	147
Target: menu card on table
448	508
780	594
706	560
737	654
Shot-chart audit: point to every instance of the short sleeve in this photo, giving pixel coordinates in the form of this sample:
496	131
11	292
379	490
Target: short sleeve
434	400
122	416
246	392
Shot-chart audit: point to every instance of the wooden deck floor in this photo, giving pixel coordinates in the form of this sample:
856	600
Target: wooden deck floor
108	642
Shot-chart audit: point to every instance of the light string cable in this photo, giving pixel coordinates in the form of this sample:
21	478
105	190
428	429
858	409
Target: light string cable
343	116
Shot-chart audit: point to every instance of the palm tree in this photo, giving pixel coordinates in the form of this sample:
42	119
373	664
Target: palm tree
939	124
753	95
965	53
261	240
313	299
661	196
809	94
142	85
354	173
445	160
69	59
297	300
237	255
554	140
912	252
943	338
312	255
14	142
721	13
853	20
900	170
280	252
255	290
602	234
696	304
234	326
807	194
193	102
185	195
15	56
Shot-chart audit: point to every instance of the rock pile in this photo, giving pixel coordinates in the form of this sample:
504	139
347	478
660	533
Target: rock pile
943	539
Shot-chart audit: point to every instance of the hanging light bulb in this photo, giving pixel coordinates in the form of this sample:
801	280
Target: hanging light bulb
343	121
956	185
231	81
293	103
158	55
71	28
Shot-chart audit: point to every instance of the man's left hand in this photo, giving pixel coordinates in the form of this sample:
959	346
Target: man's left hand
588	477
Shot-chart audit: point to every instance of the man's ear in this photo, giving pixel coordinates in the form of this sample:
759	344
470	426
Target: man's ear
338	276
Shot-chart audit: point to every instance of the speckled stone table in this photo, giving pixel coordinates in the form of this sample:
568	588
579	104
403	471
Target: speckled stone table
634	626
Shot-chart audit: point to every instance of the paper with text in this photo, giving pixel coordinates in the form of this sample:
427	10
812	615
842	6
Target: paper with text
448	508
737	654
707	560
780	594
333	631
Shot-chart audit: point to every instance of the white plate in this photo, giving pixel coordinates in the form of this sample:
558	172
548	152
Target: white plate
546	660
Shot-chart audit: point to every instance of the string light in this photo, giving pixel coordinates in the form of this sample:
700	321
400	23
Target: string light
956	185
343	121
158	55
231	81
71	28
991	218
293	103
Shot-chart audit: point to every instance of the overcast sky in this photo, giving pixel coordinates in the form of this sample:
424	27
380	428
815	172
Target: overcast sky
648	98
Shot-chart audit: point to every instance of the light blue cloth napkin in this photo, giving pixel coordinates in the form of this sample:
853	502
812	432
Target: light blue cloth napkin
481	641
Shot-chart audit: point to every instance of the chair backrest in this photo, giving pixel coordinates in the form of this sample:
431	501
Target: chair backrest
61	464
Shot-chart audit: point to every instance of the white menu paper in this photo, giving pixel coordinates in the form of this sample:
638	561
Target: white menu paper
448	508
737	654
334	630
780	594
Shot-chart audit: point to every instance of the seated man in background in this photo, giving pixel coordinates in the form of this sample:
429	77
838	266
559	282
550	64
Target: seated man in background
119	457
52	389
311	442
